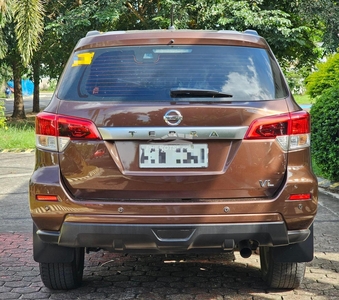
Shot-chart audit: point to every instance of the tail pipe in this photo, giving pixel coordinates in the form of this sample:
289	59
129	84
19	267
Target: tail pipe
245	248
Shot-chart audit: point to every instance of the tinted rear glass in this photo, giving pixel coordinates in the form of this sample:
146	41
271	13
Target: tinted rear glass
149	73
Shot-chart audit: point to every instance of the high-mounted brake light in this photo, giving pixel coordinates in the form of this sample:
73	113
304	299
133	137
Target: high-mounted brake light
292	130
53	132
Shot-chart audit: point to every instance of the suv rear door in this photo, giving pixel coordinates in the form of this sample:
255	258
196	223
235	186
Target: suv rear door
173	123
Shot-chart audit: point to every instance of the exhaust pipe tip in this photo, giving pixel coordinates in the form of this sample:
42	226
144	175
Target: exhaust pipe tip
245	249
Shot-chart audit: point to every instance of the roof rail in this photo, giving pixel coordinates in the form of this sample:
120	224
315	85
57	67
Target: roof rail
228	31
92	32
251	31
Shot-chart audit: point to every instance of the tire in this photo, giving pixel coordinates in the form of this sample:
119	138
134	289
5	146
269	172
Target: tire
64	276
280	275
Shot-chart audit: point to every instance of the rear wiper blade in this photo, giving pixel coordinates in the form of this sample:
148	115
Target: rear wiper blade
196	93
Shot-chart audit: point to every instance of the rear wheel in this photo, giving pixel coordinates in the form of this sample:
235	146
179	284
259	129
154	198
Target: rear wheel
280	275
64	276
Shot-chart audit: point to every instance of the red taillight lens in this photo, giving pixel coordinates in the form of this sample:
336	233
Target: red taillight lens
268	127
74	128
54	132
285	124
291	130
300	123
45	124
77	128
272	130
261	130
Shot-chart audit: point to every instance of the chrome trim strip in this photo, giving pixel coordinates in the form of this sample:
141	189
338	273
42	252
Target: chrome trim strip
297	236
166	133
49	236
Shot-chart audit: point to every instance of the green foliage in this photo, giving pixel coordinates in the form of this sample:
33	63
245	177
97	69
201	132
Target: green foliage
296	78
324	15
325	77
325	133
290	36
2	114
316	169
28	15
68	23
24	18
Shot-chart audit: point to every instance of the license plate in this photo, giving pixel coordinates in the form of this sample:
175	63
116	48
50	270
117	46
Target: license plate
173	156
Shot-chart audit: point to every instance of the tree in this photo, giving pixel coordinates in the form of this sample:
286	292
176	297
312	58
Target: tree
21	26
325	15
66	24
325	77
52	9
287	25
290	36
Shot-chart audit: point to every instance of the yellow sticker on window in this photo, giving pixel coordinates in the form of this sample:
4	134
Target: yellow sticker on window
82	59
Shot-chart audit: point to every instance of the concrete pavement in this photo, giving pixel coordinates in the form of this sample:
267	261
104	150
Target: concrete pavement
45	97
117	276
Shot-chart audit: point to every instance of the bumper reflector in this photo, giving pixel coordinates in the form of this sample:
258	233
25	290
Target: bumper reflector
46	197
300	197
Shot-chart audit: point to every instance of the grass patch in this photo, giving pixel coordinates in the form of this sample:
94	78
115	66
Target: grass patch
18	134
303	99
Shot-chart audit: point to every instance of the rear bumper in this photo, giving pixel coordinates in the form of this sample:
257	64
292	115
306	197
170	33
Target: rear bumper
152	238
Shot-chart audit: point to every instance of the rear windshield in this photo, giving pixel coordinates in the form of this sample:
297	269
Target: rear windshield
152	73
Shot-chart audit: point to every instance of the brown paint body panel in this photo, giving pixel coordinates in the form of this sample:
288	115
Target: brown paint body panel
234	169
165	37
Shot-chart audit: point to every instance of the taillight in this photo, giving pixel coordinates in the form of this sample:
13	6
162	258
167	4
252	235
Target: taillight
53	132
292	130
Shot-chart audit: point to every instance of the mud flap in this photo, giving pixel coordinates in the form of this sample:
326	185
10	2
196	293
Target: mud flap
300	252
50	253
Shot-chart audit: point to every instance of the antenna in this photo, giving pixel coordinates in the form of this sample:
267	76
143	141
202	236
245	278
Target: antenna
172	25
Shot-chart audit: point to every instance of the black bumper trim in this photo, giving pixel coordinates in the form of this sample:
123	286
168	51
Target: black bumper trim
160	238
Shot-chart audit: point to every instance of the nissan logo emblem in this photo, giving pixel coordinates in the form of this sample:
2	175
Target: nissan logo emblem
173	117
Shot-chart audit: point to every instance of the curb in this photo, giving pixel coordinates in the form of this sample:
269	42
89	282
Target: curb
328	187
17	150
328	192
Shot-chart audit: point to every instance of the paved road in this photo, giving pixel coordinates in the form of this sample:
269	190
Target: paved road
116	276
45	97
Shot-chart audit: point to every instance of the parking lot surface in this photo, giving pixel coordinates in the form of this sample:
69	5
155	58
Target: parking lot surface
119	276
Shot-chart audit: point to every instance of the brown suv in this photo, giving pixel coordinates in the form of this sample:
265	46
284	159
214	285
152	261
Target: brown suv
173	141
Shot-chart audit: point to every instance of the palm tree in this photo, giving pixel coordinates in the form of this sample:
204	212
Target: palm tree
21	24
